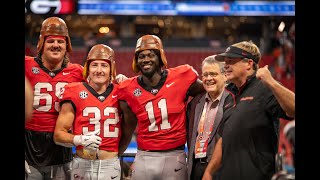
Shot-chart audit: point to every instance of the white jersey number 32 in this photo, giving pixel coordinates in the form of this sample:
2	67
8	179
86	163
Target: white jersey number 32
97	117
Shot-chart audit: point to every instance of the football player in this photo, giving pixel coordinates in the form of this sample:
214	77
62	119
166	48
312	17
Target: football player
91	109
158	98
48	73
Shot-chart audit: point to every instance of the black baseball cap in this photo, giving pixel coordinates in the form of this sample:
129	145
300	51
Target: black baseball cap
235	52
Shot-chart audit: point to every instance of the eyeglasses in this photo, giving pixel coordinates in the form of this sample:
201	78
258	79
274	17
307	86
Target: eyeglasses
212	74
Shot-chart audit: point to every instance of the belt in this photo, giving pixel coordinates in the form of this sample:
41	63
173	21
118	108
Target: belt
167	150
203	160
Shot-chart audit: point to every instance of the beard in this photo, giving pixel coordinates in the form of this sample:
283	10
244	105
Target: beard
149	72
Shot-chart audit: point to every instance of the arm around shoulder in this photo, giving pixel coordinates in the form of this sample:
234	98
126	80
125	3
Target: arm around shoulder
196	88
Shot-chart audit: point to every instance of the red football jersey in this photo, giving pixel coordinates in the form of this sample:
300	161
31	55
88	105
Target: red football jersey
46	87
161	110
94	111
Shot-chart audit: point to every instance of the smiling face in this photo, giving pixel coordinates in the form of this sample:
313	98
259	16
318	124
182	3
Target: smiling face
54	49
237	70
148	63
99	72
213	79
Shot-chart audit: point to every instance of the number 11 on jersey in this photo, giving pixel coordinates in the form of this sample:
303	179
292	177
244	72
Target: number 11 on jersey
162	105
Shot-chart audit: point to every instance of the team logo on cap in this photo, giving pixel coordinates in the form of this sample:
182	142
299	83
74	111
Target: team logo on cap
228	49
137	92
83	94
244	54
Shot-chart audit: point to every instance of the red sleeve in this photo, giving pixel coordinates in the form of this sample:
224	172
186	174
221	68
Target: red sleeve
67	93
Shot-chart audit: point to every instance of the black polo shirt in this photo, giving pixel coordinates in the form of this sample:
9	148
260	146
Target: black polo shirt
249	130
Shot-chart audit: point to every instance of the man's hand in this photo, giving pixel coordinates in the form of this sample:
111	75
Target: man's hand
264	75
206	176
89	141
120	78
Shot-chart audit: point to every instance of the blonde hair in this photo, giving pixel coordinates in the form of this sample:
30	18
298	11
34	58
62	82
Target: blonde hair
250	47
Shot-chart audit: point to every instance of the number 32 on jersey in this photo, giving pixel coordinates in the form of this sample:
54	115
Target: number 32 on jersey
106	123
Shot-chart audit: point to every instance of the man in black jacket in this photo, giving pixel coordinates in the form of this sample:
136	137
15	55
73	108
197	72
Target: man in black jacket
250	125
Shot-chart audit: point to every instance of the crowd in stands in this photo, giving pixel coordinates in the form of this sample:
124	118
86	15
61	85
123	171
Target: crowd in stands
281	58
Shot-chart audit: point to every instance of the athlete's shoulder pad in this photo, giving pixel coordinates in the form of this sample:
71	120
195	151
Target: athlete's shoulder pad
28	58
127	82
73	85
185	68
76	66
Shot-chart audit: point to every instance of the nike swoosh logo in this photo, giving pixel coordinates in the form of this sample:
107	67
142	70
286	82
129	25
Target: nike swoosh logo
65	73
168	85
176	170
114	96
112	177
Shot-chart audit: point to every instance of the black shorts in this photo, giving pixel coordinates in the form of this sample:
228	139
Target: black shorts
40	149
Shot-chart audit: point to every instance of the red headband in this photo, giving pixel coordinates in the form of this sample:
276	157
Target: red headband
56	37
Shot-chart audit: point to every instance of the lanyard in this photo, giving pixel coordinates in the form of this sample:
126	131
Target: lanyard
203	131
